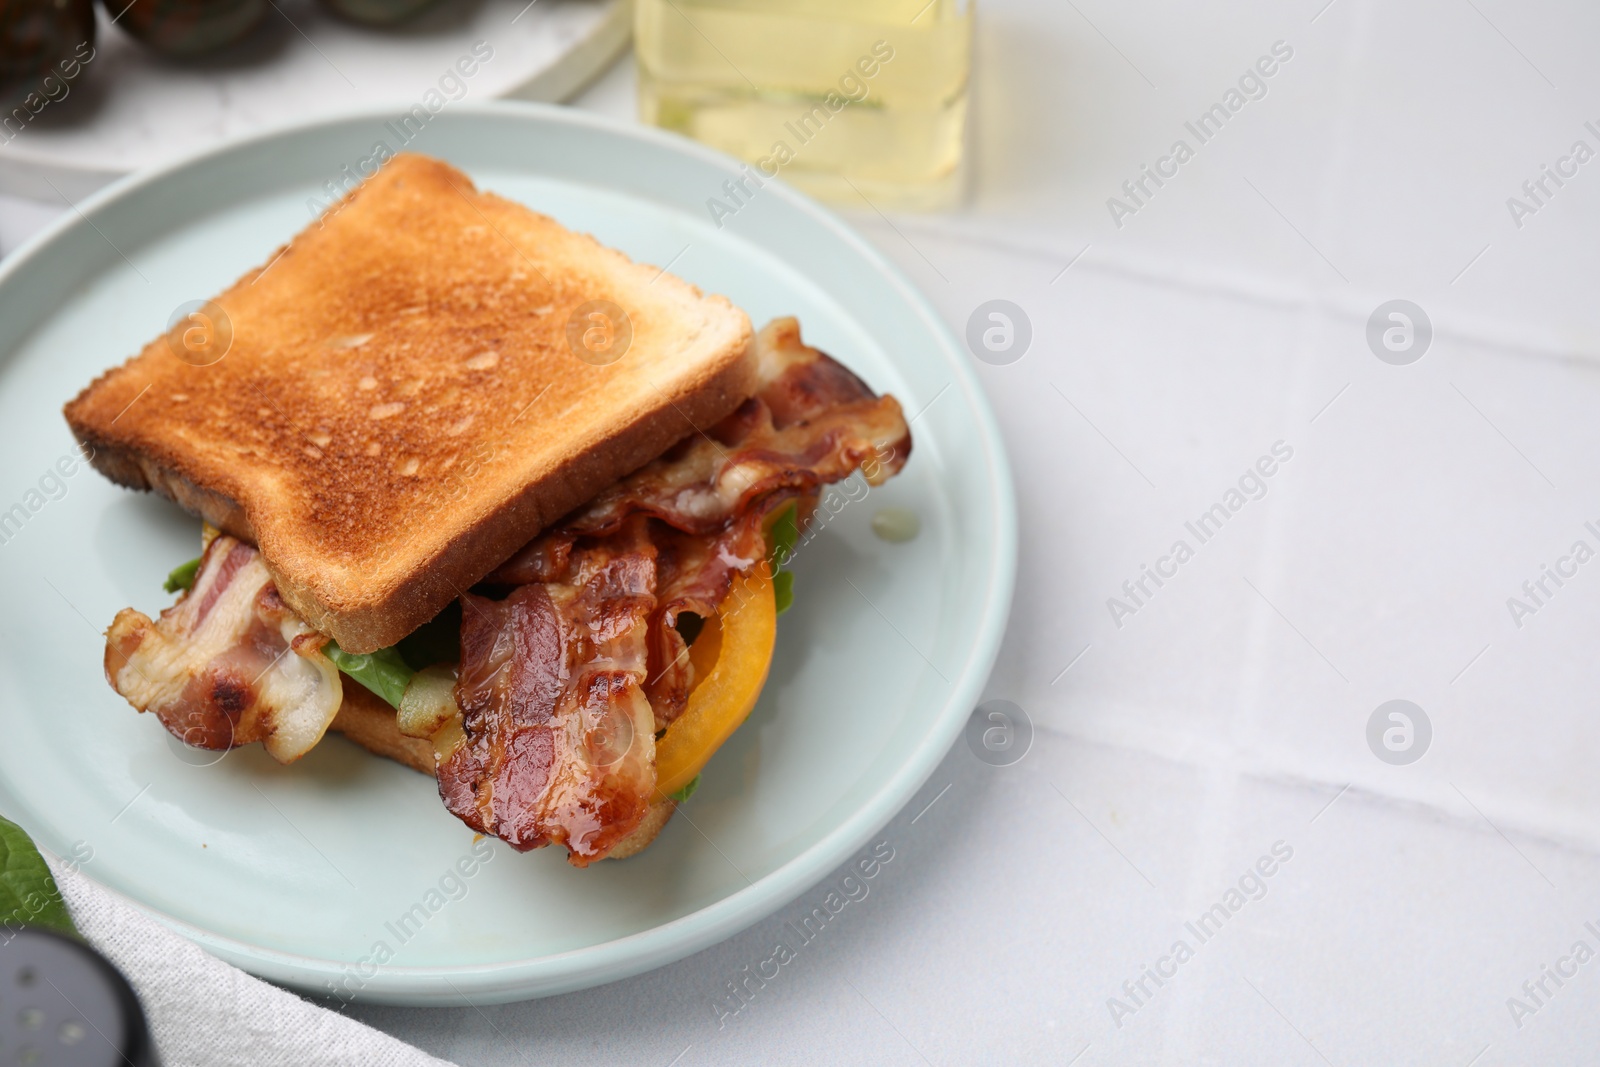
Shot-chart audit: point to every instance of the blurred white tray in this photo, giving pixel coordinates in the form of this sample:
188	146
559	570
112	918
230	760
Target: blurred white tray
130	108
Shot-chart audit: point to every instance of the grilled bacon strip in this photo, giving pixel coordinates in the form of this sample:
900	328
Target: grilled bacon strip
560	736
575	648
695	573
217	668
810	422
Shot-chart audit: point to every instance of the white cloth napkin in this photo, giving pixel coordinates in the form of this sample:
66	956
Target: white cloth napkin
205	1013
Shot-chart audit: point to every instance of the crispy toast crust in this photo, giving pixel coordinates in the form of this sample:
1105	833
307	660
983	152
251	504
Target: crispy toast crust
400	408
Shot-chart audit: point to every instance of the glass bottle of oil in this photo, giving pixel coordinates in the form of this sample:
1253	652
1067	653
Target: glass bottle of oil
849	99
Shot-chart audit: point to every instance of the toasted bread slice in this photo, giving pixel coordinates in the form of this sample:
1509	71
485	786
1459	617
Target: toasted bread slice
401	409
370	723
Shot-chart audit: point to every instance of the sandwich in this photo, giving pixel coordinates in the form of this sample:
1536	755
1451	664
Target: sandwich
483	496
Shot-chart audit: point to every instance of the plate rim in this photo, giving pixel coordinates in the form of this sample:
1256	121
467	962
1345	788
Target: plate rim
608	961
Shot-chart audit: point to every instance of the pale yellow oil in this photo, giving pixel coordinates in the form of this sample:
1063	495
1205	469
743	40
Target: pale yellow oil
854	100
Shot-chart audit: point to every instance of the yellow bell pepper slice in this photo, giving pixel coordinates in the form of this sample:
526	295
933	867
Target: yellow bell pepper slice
741	639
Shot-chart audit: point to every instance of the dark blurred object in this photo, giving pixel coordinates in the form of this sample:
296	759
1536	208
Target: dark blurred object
37	35
379	12
63	1005
187	27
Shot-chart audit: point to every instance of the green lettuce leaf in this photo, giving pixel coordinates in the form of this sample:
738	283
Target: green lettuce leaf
687	791
783	590
783	535
384	671
182	576
28	894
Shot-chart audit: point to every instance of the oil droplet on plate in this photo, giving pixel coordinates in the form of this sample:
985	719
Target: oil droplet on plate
896	524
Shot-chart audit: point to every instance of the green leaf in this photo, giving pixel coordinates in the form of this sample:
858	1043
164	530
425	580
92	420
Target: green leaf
783	534
182	576
687	791
28	894
384	671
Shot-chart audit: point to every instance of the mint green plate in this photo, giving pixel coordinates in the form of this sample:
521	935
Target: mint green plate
301	873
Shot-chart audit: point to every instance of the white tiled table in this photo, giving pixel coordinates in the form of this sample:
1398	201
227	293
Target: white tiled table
1228	715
